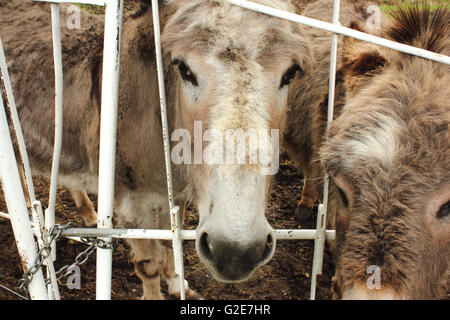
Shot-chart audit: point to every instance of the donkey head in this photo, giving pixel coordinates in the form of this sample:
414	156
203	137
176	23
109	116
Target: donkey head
229	72
388	156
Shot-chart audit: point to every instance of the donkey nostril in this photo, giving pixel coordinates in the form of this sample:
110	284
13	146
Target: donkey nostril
205	246
269	242
268	247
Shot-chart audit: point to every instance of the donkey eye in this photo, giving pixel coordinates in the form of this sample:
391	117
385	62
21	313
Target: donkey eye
289	75
443	210
186	73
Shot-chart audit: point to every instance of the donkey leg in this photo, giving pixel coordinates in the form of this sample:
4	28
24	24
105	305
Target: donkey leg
149	260
85	207
305	207
310	193
173	279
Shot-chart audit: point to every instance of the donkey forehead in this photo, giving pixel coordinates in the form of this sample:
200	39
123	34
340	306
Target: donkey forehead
218	27
402	171
356	143
407	131
213	14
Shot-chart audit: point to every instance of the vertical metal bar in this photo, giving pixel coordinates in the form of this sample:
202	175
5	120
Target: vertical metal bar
108	132
321	225
50	211
174	210
59	85
36	208
15	201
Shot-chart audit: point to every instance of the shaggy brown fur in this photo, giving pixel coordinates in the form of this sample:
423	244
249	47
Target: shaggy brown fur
388	155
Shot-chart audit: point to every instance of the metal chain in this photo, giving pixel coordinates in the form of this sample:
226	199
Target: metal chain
45	252
83	257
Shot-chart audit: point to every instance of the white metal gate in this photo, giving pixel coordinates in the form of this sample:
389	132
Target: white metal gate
42	227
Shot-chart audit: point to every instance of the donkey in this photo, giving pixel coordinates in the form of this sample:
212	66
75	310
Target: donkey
218	78
306	121
387	154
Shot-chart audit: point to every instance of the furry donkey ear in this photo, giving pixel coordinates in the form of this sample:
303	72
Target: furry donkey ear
360	61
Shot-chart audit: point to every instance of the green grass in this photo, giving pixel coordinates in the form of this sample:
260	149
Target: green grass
128	6
387	6
91	8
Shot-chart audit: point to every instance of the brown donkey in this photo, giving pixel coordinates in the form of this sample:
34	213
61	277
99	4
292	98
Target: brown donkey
388	155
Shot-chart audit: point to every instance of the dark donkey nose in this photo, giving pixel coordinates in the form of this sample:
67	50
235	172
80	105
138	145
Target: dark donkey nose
233	261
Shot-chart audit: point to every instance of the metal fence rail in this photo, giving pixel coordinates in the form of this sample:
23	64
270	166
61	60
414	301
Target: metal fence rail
338	29
110	80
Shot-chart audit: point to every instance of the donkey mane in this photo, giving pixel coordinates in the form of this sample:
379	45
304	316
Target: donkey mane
420	25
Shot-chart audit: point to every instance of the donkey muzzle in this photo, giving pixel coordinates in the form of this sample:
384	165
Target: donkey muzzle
232	261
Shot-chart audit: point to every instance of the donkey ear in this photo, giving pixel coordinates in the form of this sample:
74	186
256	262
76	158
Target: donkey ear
360	61
367	63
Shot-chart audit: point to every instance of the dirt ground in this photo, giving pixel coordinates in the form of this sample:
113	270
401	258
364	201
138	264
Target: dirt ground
285	277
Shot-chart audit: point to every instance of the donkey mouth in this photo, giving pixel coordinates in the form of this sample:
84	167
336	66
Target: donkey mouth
227	274
229	263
